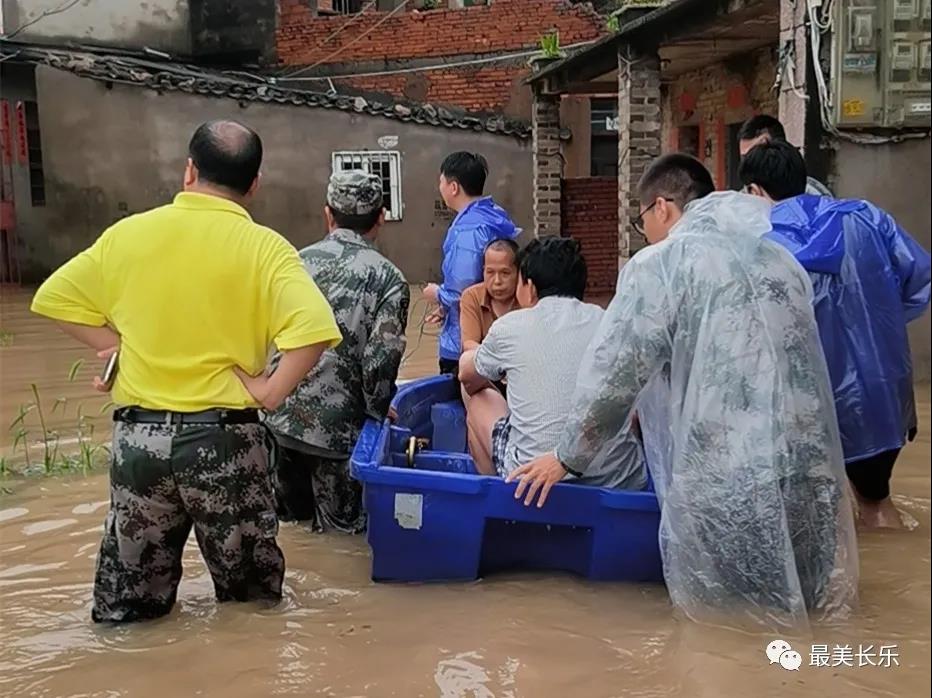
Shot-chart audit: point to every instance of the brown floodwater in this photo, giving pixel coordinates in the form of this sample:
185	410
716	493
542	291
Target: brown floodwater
338	634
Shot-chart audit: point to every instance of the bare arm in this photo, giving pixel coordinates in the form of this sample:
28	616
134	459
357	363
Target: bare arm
271	391
97	338
470	345
471	380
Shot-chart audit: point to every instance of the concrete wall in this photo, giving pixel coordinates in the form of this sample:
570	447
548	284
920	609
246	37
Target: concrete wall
158	24
896	177
112	152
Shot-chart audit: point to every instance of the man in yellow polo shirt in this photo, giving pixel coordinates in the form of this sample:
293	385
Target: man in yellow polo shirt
192	295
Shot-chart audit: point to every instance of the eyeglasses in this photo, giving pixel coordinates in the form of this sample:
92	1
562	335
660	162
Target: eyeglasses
638	223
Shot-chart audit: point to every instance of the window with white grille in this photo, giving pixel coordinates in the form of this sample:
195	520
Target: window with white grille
384	164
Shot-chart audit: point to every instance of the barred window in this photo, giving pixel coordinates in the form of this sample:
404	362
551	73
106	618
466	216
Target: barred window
385	165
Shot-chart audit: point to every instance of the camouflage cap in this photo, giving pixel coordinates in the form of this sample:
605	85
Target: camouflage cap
354	192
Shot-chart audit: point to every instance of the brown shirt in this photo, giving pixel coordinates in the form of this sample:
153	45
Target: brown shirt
476	313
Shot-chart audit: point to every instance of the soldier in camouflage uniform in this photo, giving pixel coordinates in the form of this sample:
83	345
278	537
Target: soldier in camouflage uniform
317	427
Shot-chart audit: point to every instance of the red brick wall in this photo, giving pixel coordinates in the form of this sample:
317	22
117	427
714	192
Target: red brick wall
718	96
590	215
479	88
503	26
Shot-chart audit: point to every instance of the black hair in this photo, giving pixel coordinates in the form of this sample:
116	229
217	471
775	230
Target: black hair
678	177
504	245
777	167
226	154
468	169
762	125
361	223
555	266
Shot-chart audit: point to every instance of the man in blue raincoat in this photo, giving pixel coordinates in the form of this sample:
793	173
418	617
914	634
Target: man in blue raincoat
870	279
479	221
762	128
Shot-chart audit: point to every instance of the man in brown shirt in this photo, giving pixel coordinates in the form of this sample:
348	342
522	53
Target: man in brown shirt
485	302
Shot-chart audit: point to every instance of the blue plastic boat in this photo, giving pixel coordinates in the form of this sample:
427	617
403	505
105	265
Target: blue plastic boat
433	518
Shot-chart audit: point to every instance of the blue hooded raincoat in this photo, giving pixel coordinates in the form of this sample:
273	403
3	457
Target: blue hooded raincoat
463	248
870	279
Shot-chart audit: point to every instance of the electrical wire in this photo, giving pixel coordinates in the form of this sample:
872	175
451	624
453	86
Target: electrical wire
816	29
786	67
437	66
422	329
339	30
345	46
64	7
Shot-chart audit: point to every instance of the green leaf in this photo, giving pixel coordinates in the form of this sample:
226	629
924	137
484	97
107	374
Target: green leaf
75	367
23	411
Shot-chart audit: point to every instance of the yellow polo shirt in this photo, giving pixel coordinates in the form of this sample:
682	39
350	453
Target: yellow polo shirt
193	288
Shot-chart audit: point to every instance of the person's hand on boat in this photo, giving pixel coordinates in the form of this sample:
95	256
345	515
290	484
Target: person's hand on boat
431	293
536	478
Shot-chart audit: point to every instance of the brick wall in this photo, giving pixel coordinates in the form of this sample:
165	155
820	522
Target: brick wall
548	166
478	89
590	215
445	35
718	96
502	26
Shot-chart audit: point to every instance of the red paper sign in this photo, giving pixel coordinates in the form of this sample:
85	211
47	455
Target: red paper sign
22	144
6	134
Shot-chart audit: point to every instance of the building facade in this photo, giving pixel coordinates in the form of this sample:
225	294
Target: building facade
104	98
687	74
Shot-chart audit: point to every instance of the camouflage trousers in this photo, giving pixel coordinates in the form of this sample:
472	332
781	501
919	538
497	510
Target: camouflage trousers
164	480
320	490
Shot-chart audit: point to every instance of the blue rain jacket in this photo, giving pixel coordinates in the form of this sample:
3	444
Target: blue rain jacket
870	279
463	248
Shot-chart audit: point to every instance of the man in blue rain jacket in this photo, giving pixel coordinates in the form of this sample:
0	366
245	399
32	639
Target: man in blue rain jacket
479	221
870	279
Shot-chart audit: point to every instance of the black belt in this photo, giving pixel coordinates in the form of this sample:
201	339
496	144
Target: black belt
137	415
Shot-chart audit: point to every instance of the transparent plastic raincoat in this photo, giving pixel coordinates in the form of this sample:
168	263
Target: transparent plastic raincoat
870	279
739	423
470	232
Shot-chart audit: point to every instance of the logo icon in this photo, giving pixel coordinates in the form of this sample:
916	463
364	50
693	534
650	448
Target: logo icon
780	652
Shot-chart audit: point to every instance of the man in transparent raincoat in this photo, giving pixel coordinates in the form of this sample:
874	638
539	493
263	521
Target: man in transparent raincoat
738	419
870	280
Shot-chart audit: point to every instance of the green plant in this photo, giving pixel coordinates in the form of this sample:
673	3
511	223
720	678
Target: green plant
612	24
550	45
88	449
6	338
53	459
21	433
49	438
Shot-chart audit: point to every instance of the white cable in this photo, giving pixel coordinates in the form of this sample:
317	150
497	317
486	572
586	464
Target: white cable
825	100
343	26
355	40
436	66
